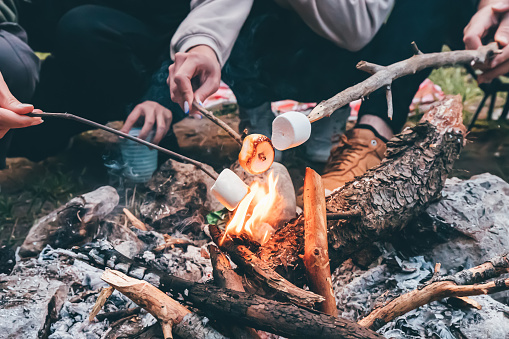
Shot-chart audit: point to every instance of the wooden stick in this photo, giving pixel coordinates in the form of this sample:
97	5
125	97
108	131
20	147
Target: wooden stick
169	312
120	314
225	277
280	318
316	253
135	221
209	115
261	271
385	75
101	300
457	285
179	157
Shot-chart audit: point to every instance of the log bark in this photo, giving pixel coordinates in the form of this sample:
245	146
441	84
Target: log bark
283	319
461	284
170	313
316	253
225	277
383	76
387	197
260	271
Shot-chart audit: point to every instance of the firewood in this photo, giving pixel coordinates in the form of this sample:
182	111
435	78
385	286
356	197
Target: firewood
117	315
106	292
169	312
388	196
135	221
225	276
316	253
383	76
461	284
280	318
260	271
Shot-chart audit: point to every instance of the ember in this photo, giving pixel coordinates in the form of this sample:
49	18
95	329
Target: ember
253	217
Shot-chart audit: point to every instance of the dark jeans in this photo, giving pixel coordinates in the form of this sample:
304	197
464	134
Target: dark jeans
20	69
103	63
277	56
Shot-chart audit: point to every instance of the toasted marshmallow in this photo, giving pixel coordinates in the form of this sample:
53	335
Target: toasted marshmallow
290	129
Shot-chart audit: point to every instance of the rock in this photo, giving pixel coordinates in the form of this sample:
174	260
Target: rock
470	223
286	206
70	223
31	298
179	198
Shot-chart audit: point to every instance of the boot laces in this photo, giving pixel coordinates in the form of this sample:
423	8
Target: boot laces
343	154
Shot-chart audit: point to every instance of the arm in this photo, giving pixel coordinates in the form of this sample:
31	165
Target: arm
201	46
350	24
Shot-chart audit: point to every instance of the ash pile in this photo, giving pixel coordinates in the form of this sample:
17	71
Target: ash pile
50	285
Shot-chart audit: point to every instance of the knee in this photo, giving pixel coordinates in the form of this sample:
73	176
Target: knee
19	67
80	30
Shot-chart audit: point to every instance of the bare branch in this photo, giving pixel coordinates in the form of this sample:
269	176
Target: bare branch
385	76
388	94
416	49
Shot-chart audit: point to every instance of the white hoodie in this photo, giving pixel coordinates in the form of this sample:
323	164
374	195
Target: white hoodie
350	24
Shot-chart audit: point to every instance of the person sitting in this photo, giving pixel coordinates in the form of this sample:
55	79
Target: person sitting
307	51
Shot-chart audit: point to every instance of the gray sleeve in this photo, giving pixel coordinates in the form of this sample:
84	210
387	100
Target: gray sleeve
215	23
351	24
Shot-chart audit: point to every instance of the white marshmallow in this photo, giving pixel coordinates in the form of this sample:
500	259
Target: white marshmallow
229	189
290	129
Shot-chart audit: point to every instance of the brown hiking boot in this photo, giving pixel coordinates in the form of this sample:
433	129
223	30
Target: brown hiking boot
358	150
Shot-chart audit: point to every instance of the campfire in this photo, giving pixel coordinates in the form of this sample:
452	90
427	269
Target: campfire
253	216
369	261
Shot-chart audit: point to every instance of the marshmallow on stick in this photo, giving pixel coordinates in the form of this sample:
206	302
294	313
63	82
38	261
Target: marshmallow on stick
290	129
229	189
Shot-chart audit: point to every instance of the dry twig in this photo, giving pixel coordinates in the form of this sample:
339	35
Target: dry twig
460	284
135	221
385	75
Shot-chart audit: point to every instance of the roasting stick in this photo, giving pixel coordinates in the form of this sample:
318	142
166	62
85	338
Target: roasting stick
228	188
294	130
211	173
209	115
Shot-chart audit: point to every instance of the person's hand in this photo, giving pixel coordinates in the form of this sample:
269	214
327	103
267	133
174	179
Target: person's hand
12	111
195	75
491	17
151	113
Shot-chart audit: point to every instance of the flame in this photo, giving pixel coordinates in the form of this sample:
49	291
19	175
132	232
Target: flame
253	215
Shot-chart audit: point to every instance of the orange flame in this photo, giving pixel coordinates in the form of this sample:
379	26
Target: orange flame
252	217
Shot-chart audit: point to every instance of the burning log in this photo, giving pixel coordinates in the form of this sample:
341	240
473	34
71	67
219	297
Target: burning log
283	319
225	277
316	253
461	284
383	200
171	314
261	271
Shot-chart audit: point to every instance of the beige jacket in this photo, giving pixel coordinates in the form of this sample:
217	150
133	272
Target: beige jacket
351	24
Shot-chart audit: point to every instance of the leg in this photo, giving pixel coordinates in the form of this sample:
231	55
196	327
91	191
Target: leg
103	61
20	69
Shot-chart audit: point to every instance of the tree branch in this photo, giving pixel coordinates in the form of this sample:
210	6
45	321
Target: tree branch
457	285
384	76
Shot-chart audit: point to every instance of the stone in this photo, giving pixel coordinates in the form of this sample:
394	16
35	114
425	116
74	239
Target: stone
70	223
178	192
468	226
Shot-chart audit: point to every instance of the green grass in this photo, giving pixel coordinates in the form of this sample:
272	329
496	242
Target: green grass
456	80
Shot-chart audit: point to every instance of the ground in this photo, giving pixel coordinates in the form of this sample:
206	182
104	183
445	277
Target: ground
29	190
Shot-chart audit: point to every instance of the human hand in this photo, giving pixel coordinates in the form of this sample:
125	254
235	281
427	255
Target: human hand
152	113
195	75
490	17
12	111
